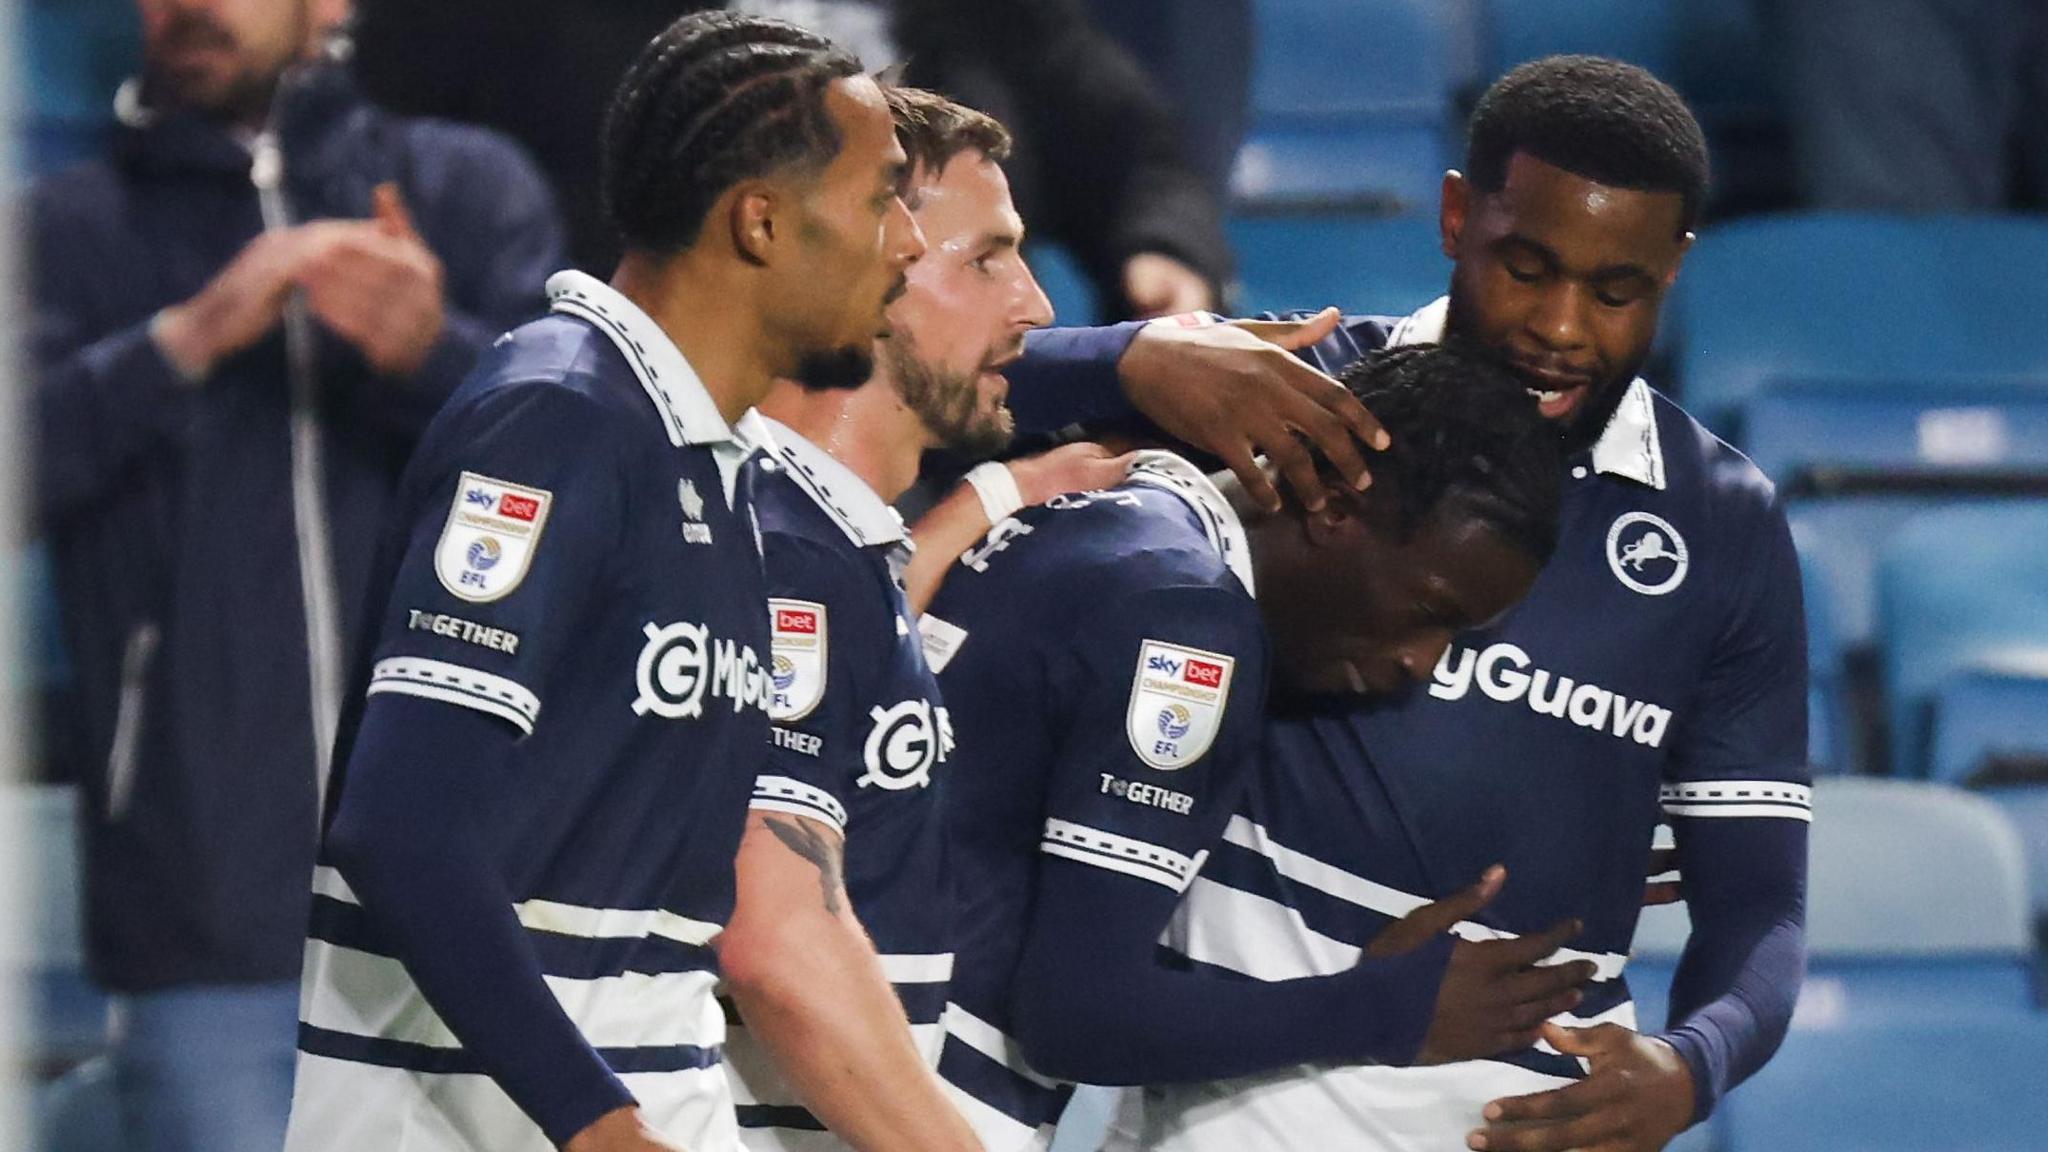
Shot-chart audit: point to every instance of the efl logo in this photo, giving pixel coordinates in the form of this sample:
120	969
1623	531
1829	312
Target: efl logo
804	622
518	507
1204	673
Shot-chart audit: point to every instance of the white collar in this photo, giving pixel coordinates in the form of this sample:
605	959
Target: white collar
858	509
1629	446
1219	520
688	412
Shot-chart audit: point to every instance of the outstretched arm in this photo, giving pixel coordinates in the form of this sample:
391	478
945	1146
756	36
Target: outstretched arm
1235	390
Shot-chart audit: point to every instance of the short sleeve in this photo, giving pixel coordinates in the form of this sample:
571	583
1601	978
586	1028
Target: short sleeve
514	510
1165	694
826	620
1743	751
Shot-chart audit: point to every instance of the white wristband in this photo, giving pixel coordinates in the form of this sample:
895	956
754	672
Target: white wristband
997	488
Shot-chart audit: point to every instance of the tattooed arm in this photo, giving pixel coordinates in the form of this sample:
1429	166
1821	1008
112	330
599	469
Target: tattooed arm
812	993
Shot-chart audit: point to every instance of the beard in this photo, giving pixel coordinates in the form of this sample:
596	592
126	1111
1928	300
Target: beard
949	404
1583	428
241	96
836	369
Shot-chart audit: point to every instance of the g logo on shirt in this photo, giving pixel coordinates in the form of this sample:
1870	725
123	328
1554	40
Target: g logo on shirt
908	740
1646	553
682	663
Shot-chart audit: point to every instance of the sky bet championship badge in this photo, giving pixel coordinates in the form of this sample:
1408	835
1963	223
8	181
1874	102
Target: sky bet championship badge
799	666
1177	702
490	536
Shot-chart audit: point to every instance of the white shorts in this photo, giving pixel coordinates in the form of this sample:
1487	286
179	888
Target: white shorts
343	1106
1307	1109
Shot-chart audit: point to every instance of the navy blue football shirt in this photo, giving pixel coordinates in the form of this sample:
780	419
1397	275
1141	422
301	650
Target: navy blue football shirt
1105	666
574	555
1655	672
858	742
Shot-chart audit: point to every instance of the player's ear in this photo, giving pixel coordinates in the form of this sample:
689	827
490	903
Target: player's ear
1342	520
1457	200
751	213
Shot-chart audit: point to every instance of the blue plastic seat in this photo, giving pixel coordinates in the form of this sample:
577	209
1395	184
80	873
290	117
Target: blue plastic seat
1863	302
1918	999
46	953
1899	871
1384	266
1897	1086
1352	101
2026	805
1643	32
1956	587
1830	739
1796	428
1986	712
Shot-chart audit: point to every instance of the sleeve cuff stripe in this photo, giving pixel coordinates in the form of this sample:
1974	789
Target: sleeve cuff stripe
1121	847
769	790
483	704
1738	791
798	808
1155	874
1781	811
497	690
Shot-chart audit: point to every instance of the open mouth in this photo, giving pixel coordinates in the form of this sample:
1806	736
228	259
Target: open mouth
1557	394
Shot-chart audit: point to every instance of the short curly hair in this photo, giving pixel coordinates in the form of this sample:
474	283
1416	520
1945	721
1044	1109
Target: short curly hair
1465	432
1606	121
715	99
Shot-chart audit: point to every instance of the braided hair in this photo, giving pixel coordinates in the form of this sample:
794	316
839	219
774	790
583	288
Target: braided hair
1466	431
715	99
1599	119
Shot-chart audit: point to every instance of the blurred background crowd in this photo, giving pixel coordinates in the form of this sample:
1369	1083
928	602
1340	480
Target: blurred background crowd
1864	314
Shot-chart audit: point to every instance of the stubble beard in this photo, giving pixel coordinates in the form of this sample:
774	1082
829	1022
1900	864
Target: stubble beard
949	404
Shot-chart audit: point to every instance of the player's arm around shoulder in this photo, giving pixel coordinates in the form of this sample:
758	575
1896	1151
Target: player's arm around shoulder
988	496
794	956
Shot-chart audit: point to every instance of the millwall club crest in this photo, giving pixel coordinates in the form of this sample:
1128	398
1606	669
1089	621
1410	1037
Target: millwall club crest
798	667
1646	553
1177	702
488	542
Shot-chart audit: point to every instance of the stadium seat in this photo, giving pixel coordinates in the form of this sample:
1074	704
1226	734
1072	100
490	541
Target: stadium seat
1796	429
1384	266
1956	587
1641	32
2026	805
1352	102
1914	1013
1897	1086
1830	736
46	953
1899	871
79	1112
1989	720
1864	301
1916	907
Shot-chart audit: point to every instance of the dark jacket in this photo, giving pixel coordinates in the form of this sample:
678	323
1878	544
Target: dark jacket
1099	164
179	516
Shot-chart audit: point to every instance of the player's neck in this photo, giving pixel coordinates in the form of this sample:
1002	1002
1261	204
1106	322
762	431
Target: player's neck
718	331
868	429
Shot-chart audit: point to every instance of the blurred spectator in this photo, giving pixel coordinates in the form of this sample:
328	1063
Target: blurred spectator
1099	166
1199	53
241	320
1916	105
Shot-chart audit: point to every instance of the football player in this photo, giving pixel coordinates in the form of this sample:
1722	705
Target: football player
1106	662
548	765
